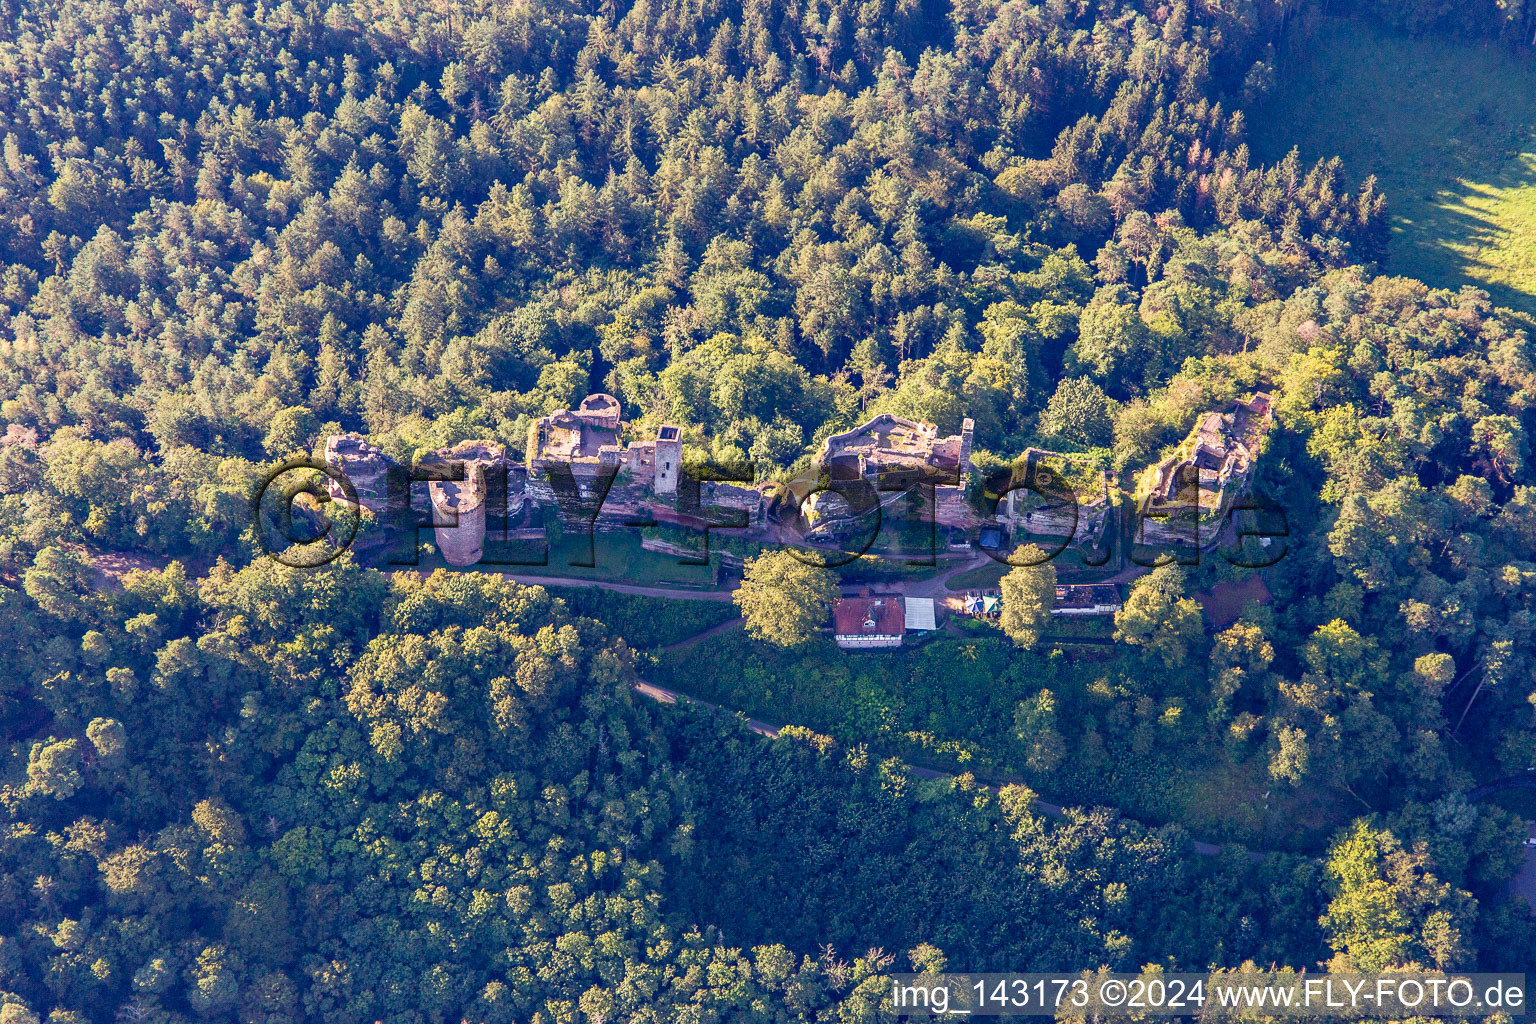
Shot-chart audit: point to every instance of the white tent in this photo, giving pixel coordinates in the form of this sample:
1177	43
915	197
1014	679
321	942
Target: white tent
920	613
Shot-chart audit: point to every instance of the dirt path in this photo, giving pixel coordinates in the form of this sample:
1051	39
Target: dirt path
724	627
938	586
621	588
666	696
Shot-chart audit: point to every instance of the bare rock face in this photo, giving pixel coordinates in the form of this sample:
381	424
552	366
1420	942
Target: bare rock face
1192	490
365	467
1058	496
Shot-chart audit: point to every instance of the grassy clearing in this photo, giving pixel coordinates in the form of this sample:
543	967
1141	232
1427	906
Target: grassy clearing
984	577
1448	128
616	558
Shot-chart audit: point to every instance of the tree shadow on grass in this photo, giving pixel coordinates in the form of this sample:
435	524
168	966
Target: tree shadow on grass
1480	234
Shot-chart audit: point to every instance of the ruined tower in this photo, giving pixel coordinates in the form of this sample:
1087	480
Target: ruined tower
459	506
669	458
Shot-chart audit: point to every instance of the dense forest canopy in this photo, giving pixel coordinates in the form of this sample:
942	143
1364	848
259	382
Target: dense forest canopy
236	791
861	201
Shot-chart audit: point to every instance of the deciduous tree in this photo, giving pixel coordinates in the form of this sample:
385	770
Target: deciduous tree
1158	618
783	599
1029	593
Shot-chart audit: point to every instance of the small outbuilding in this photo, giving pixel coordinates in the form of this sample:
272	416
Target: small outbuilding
920	615
1087	599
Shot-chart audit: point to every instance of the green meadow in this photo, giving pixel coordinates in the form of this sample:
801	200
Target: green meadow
1448	128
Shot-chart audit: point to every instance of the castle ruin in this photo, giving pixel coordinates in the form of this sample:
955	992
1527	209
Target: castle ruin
585	443
1058	496
365	466
1049	494
460	507
894	452
897	457
1192	489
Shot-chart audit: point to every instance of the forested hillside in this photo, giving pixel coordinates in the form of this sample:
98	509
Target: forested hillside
343	798
240	792
752	224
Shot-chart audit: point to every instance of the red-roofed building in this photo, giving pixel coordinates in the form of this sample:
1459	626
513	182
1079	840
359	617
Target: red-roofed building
860	623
